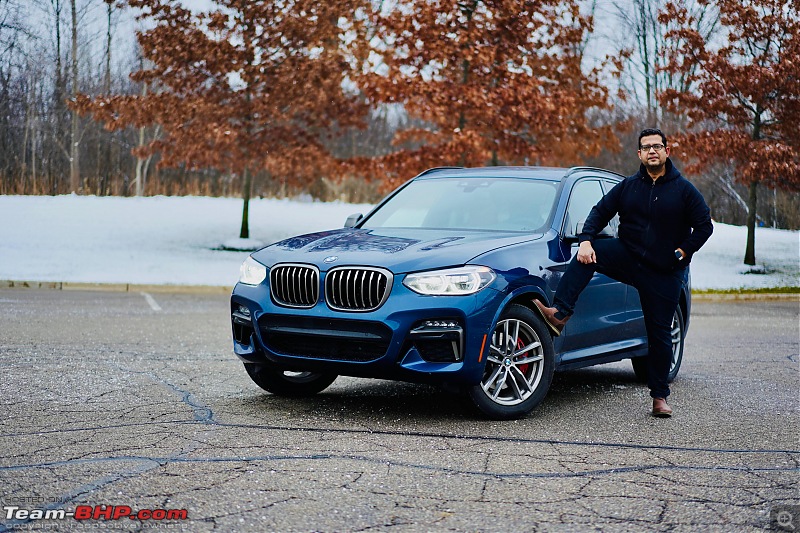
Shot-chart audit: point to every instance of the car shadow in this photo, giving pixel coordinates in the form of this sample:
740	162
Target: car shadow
373	399
607	377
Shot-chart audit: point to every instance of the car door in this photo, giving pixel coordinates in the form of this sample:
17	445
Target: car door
634	318
599	317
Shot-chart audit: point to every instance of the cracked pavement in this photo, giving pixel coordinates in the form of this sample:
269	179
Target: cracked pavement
107	401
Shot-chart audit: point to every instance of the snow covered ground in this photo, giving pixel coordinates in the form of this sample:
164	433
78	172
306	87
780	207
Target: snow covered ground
176	241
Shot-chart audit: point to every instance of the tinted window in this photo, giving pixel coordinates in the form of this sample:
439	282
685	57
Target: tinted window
585	194
607	186
504	204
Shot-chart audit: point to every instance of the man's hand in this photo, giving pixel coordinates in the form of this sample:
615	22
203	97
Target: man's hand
586	253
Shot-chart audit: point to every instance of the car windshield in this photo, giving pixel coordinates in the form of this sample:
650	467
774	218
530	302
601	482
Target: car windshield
498	204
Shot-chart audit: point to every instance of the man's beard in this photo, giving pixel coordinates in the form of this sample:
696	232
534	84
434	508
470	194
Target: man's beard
655	166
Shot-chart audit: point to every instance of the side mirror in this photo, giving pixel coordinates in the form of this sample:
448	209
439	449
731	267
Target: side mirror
352	220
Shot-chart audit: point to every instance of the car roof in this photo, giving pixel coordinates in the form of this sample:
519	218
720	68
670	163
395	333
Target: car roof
555	174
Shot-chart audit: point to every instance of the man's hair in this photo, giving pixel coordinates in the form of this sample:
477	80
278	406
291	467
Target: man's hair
652	131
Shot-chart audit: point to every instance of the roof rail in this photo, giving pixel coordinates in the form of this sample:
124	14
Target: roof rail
434	169
582	168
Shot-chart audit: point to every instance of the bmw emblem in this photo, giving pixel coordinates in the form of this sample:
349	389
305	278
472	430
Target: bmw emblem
330	259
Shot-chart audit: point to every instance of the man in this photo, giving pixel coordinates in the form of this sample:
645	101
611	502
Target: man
663	221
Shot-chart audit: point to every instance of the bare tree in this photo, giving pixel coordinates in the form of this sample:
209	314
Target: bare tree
143	161
642	38
74	152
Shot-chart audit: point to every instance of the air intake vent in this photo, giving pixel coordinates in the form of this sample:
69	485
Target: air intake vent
325	338
357	288
294	285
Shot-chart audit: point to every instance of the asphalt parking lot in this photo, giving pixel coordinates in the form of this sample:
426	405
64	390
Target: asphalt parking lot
116	403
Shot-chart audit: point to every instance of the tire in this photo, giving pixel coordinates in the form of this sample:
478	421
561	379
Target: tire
678	336
288	383
519	366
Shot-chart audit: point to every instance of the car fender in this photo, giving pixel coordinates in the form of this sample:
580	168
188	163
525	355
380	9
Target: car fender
523	296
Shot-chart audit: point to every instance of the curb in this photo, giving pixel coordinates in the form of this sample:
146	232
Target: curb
115	287
746	296
222	289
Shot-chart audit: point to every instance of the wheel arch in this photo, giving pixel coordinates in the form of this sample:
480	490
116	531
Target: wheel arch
524	297
502	403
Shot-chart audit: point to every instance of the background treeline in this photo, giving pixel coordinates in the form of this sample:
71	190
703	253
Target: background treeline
470	83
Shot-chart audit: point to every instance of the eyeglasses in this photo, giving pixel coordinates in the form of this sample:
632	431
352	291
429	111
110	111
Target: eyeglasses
647	147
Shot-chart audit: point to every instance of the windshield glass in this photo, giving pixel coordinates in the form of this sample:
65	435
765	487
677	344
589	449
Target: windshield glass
500	204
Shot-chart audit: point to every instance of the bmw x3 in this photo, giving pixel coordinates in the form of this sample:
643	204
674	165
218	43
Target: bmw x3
436	285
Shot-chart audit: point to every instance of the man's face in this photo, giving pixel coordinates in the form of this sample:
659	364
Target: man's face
651	157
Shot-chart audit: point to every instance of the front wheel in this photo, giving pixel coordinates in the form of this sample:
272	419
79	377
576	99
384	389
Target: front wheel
678	334
288	383
519	366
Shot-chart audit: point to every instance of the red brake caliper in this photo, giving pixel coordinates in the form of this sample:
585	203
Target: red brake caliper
522	368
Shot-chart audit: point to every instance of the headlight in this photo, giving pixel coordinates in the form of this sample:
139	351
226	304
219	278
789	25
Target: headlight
252	272
450	282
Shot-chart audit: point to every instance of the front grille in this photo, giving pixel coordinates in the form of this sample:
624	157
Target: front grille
294	285
329	339
357	288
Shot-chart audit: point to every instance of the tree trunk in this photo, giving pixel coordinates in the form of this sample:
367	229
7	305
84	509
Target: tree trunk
74	165
34	123
462	118
645	51
244	233
139	165
750	249
467	11
105	168
54	173
107	79
141	168
25	136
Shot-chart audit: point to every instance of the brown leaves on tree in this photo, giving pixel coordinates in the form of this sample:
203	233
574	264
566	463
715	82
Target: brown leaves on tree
246	85
746	105
494	81
264	85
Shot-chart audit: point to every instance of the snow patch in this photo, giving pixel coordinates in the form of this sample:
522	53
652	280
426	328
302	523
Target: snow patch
176	240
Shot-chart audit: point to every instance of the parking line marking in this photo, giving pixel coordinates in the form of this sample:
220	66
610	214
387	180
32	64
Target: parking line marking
151	301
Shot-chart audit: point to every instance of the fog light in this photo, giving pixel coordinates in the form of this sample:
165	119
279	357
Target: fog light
439	341
242	324
440	324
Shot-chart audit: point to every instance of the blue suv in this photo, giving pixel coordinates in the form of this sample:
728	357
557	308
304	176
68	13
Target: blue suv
436	285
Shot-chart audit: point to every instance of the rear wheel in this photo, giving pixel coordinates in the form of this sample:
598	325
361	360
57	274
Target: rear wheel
287	382
519	366
678	334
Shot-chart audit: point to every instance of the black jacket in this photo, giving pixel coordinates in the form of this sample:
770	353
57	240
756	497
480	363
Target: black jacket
654	218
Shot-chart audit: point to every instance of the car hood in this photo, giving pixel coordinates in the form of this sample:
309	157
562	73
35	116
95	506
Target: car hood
399	250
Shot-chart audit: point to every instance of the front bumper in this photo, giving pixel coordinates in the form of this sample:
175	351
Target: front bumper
423	339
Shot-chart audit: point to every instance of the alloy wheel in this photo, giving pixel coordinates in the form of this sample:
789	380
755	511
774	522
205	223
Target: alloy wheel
515	364
677	337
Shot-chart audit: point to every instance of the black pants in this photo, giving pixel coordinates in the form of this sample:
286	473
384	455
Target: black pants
659	293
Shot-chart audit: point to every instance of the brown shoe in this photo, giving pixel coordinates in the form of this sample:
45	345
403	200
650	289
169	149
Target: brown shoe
556	325
661	409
